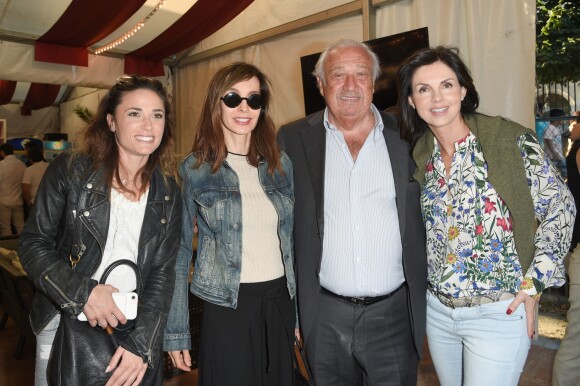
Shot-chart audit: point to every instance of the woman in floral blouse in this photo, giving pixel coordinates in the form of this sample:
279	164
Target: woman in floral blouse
498	218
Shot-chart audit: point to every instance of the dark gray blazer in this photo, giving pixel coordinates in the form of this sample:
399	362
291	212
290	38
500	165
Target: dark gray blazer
305	142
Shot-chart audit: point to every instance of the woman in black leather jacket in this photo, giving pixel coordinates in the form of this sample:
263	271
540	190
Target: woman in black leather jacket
118	199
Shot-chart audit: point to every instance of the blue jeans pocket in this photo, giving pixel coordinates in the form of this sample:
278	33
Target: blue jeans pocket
497	311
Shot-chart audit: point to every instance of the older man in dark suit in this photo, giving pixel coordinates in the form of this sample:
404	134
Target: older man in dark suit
358	235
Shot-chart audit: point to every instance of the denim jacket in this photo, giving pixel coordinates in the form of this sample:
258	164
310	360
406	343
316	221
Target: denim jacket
214	198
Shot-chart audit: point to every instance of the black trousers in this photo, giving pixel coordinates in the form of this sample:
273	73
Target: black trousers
352	345
252	344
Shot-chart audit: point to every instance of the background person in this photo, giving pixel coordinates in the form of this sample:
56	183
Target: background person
359	238
553	141
33	175
573	181
132	211
540	128
566	371
31	145
485	182
238	186
11	205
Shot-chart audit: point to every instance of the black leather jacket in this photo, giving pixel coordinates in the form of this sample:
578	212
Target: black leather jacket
45	245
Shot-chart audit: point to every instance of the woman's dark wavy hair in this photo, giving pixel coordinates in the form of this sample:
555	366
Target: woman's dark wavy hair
209	144
100	142
412	127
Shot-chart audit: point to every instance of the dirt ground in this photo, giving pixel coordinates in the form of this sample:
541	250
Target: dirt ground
552	315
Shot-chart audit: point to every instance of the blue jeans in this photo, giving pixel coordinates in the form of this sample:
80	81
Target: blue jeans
477	346
44	341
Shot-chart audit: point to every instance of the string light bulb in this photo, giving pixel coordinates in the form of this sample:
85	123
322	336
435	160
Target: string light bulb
131	32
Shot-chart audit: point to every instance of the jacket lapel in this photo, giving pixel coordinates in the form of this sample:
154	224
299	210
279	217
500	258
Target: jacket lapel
314	140
97	205
155	217
398	154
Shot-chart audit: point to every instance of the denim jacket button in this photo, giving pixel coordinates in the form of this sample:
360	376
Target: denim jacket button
89	186
235	226
86	213
163	221
167	198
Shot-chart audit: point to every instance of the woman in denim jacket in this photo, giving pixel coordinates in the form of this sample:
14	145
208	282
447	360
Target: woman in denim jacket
238	190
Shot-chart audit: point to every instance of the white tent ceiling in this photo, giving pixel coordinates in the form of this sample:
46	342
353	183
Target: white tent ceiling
27	20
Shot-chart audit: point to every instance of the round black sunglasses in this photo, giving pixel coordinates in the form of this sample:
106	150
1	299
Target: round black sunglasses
233	100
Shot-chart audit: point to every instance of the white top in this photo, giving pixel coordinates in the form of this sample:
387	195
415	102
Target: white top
11	172
125	222
32	176
261	253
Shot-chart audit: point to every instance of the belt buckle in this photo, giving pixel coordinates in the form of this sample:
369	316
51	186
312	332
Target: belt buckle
357	301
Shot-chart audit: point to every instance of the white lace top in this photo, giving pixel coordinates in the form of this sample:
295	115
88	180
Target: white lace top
125	222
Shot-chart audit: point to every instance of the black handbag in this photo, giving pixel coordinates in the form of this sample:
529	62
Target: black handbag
81	353
302	372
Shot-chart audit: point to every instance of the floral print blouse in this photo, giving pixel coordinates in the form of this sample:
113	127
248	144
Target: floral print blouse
470	243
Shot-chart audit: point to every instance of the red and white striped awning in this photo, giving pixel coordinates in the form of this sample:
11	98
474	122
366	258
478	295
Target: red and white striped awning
69	32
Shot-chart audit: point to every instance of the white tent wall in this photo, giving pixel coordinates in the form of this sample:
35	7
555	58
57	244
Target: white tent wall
496	38
34	125
71	124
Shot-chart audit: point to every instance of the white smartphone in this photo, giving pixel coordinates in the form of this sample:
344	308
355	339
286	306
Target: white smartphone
127	303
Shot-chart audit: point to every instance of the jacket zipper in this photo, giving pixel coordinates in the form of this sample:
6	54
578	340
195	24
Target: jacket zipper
149	352
101	248
70	303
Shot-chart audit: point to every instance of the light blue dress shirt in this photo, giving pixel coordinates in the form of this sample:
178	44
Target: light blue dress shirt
362	252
